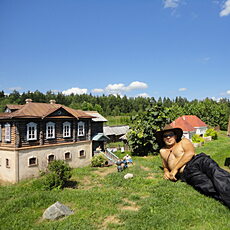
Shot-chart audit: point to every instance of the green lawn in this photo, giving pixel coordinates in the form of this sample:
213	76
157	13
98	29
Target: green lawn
102	199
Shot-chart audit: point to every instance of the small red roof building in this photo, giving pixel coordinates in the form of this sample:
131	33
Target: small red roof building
190	124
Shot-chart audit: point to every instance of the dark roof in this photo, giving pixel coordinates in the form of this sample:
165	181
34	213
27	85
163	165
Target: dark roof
100	137
42	110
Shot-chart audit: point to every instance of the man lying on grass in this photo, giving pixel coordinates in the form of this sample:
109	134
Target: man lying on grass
200	171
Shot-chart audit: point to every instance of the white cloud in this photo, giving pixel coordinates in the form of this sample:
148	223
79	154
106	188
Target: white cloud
216	99
17	88
228	92
98	90
171	3
143	95
226	9
55	91
182	89
74	91
136	85
115	88
118	88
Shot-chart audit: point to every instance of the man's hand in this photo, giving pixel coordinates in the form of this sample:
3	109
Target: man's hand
166	175
172	175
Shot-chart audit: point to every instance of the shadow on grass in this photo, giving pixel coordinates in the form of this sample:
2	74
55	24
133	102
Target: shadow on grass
71	184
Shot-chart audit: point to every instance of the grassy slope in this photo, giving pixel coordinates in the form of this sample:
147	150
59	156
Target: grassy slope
104	200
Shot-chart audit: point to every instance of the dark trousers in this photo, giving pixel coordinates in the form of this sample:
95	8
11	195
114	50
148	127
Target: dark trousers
207	177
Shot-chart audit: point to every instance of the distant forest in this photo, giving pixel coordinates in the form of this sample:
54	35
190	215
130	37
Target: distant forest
210	111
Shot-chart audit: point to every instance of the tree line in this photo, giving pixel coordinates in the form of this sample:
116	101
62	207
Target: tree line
212	112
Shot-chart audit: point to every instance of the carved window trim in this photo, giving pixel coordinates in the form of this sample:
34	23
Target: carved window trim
66	129
50	130
31	133
7	132
0	132
81	128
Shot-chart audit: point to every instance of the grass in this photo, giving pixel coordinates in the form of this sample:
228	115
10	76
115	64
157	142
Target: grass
103	199
118	120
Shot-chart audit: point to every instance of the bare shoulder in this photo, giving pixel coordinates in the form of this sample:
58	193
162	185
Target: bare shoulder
162	152
185	141
187	144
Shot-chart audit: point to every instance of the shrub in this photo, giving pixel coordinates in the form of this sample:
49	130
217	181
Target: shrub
197	138
212	133
98	160
58	174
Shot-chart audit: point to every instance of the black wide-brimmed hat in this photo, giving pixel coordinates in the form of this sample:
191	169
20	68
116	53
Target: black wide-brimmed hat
159	134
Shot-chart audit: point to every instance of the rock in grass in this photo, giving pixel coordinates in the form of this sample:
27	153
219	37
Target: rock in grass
56	211
128	176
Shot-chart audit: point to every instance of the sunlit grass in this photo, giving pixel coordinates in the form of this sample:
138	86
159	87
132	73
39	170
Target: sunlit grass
103	199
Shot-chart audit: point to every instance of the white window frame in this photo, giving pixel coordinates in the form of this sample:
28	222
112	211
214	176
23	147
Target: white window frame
31	131
67	129
0	132
7	132
50	130
81	129
36	161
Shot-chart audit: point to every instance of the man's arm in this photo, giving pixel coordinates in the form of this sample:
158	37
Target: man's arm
187	156
165	166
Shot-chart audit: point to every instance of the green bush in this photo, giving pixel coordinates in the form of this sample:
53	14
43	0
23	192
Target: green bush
98	160
197	138
58	174
212	133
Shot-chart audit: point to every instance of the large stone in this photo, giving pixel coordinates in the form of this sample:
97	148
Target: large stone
128	176
56	211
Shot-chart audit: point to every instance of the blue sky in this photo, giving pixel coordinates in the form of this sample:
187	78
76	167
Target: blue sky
155	48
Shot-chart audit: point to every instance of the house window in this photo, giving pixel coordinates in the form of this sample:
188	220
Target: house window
7	132
66	129
50	130
31	131
67	156
0	132
51	158
33	161
81	128
82	153
7	163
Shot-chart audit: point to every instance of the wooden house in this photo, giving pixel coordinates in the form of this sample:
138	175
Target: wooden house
34	134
